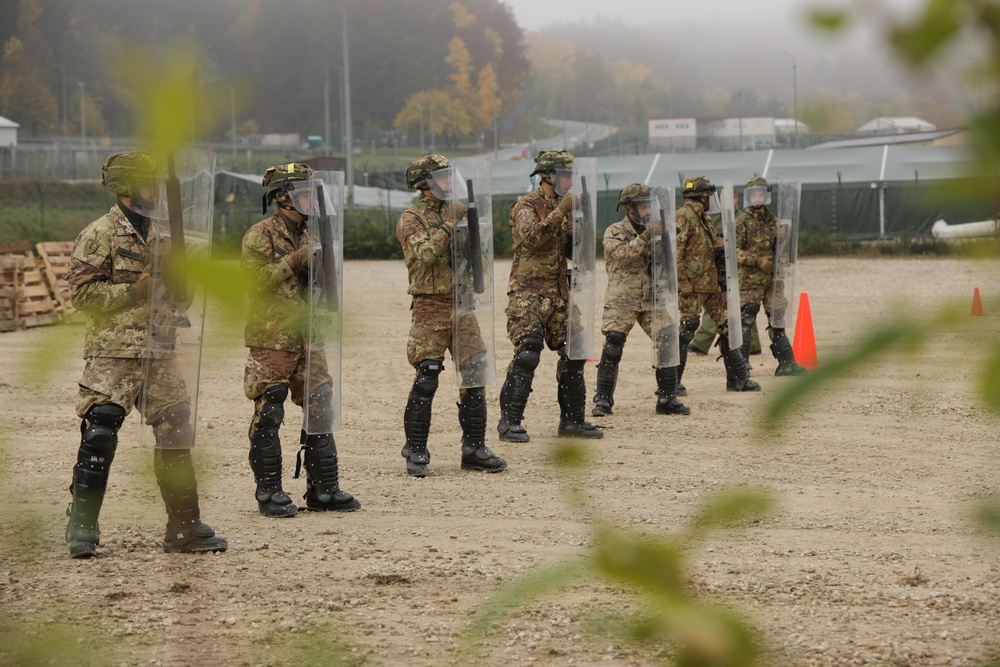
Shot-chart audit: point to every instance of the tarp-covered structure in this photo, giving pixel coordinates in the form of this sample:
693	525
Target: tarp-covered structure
869	192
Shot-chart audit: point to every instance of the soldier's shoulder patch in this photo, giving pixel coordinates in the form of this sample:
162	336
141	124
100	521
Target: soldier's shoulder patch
90	246
256	241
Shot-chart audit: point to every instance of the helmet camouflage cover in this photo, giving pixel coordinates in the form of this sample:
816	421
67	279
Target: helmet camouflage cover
123	171
420	169
280	178
698	186
548	161
632	194
757	180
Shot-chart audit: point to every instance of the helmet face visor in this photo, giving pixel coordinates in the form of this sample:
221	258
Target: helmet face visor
757	195
713	207
639	210
302	196
562	181
447	184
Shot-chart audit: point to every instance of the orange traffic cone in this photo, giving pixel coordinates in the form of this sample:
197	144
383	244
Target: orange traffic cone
977	304
804	345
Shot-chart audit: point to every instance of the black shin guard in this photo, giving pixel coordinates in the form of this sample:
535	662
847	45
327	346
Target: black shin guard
607	373
781	348
323	493
666	391
748	315
179	489
472	417
688	329
417	417
98	442
573	403
737	373
265	455
516	389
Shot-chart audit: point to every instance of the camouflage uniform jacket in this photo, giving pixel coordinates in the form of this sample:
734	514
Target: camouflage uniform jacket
696	249
627	257
277	309
540	233
756	231
108	258
426	241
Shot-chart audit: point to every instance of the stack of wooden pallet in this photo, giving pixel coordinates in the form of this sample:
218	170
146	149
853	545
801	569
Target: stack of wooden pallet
54	257
25	299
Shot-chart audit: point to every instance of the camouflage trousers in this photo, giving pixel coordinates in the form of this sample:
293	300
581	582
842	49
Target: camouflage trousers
544	316
714	303
266	368
432	333
622	320
764	297
150	385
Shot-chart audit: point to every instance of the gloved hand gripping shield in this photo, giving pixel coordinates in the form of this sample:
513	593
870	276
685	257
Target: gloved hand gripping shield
783	303
323	201
666	315
732	271
179	240
583	276
472	270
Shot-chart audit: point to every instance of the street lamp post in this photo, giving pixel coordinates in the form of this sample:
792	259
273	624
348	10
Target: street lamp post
979	86
232	120
562	87
795	98
421	107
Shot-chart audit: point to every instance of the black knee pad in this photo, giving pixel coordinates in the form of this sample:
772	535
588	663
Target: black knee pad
181	433
99	429
688	329
321	409
748	314
427	381
473	368
531	353
273	412
614	344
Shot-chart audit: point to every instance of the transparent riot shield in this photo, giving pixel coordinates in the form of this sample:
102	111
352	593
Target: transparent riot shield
324	315
179	236
783	303
583	273
732	270
666	315
472	267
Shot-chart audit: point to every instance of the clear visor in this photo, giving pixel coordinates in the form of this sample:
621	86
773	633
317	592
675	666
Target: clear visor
148	197
562	181
642	211
302	197
447	184
757	195
713	207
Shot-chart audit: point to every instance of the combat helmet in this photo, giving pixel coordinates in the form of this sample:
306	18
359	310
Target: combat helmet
756	188
128	173
698	186
633	194
421	168
547	162
280	180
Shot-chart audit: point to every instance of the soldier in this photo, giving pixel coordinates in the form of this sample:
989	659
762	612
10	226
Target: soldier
698	280
426	230
537	312
628	261
275	258
109	275
756	237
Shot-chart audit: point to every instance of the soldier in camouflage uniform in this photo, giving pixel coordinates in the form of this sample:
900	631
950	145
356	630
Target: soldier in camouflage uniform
629	299
110	283
275	258
541	224
756	236
698	281
425	231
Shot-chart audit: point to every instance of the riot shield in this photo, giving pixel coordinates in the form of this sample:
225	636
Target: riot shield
732	271
180	233
472	270
783	303
666	316
583	274
324	316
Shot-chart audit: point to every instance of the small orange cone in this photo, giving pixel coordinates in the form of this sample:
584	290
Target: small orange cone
977	304
804	345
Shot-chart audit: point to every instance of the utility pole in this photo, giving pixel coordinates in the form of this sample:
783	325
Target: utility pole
795	98
83	114
349	139
326	114
232	121
430	100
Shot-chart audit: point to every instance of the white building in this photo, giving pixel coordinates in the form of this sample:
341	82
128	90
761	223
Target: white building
736	134
673	135
895	125
8	133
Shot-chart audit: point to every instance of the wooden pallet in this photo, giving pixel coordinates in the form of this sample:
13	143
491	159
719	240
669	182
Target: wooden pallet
55	257
24	284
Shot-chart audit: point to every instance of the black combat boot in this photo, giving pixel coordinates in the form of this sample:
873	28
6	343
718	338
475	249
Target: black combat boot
607	373
265	455
472	416
573	403
667	403
185	531
781	348
516	389
323	492
98	442
417	418
737	375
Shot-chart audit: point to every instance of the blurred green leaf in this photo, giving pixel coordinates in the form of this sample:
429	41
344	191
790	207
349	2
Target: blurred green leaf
989	515
570	454
990	383
733	506
829	19
653	566
922	40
